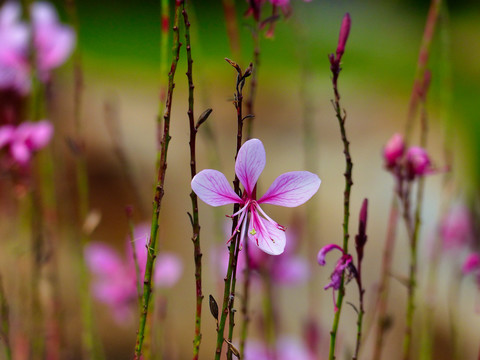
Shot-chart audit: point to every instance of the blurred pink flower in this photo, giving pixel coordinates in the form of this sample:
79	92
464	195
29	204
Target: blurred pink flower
393	151
456	227
343	262
472	264
115	278
418	162
14	43
22	141
53	41
286	348
290	189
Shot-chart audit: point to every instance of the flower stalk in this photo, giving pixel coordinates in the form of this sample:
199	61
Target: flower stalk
194	217
335	61
412	281
5	322
360	241
159	188
230	279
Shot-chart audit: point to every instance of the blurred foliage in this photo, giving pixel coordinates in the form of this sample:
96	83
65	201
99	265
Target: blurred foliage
121	40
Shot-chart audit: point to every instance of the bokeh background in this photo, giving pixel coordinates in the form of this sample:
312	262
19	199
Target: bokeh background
119	47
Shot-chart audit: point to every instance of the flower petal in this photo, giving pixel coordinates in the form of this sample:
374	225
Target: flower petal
250	163
291	189
265	235
324	251
213	188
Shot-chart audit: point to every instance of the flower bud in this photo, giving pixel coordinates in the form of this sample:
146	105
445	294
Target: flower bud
342	39
393	151
418	162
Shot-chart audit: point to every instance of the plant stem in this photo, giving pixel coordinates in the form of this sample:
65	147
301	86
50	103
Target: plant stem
246	298
230	279
5	322
383	288
429	31
346	208
197	252
159	188
253	82
164	32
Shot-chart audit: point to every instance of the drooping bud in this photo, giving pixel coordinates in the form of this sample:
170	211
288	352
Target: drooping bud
324	251
418	162
342	39
393	150
361	238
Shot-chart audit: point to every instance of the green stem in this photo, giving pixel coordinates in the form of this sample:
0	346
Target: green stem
246	298
383	288
5	322
423	56
164	37
159	188
230	279
197	252
346	212
253	82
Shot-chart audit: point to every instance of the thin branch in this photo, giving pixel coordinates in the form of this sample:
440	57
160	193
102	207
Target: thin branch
159	188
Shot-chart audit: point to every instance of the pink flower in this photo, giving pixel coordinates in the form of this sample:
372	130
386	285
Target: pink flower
342	264
456	227
115	278
286	348
393	151
25	139
14	43
471	264
290	189
418	162
53	41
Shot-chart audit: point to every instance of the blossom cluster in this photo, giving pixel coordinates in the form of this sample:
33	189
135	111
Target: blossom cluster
20	142
406	163
50	41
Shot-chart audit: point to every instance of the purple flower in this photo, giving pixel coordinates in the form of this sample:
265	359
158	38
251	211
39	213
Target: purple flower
290	189
14	43
53	41
418	162
115	278
393	151
343	262
25	139
456	227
